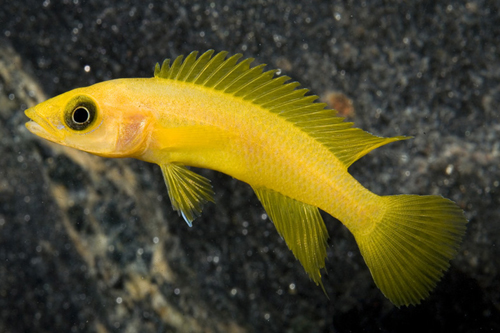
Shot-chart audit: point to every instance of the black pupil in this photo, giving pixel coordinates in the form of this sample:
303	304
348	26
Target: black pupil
81	115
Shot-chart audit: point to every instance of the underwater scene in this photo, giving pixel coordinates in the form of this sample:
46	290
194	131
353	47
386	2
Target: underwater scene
249	166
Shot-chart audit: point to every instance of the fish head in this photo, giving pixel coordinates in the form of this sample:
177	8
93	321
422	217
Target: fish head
97	119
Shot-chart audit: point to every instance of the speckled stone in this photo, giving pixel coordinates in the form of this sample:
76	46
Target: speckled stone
92	245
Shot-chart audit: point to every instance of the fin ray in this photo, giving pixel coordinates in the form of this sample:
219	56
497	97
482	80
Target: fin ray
221	71
187	190
198	65
241	90
302	228
187	64
409	250
246	78
175	67
234	73
213	64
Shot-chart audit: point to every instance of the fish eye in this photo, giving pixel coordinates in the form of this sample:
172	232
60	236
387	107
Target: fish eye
80	113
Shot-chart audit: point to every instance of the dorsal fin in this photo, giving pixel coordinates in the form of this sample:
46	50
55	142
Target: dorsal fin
273	94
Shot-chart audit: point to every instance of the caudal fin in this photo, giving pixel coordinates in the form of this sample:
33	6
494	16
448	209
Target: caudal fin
409	250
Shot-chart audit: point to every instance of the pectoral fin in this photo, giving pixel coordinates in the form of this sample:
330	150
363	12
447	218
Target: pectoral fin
302	228
187	190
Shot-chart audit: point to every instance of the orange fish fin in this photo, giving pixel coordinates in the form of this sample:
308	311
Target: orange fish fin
302	228
187	190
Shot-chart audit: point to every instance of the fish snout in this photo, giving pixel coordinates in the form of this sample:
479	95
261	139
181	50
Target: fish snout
38	125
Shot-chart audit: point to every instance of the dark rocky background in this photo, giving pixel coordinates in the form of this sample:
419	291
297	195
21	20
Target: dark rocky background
92	245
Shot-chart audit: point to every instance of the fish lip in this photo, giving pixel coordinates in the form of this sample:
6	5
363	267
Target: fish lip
41	127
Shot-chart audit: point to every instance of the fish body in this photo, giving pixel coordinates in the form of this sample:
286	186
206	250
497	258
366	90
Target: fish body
221	114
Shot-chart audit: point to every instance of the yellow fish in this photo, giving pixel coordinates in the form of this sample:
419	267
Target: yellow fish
221	114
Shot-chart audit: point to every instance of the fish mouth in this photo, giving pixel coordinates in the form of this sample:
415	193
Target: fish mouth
41	127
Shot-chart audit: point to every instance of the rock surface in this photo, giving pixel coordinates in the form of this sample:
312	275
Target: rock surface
92	245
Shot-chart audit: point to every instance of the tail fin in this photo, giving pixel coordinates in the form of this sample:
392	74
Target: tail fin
409	250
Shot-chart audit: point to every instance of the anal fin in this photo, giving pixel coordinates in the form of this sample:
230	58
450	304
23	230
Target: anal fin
187	190
302	228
